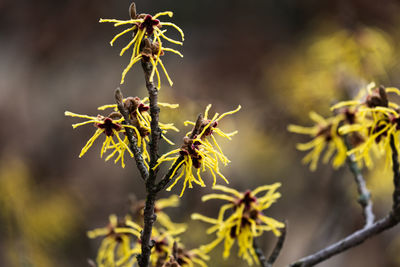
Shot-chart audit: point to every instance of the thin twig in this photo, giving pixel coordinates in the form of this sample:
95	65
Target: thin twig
396	174
360	236
275	252
149	215
348	242
278	247
131	137
260	254
167	177
364	195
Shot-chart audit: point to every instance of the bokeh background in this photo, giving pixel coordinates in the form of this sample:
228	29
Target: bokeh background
278	59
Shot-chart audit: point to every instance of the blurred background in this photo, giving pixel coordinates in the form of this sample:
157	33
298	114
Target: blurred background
278	59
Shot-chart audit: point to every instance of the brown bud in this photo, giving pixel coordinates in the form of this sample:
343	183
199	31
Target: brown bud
132	11
155	48
132	103
118	96
115	115
147	49
356	139
187	140
383	95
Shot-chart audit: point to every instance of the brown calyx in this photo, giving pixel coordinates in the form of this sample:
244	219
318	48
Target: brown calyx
377	98
326	132
190	147
133	105
151	49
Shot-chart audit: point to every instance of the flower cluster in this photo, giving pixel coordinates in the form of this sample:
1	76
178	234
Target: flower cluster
378	121
245	221
199	153
121	240
368	122
147	44
114	127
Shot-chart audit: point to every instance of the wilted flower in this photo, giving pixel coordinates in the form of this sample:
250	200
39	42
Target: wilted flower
199	153
245	221
145	27
116	247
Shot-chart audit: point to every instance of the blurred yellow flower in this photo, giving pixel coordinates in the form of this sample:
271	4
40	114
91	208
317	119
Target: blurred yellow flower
116	246
245	222
163	220
327	64
324	134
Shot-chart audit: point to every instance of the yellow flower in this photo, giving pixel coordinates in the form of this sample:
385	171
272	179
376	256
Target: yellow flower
377	120
121	243
112	127
370	97
379	125
145	27
141	119
245	222
188	258
324	134
116	247
163	245
162	218
199	153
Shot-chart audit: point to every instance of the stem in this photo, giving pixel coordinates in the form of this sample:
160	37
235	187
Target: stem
131	137
348	242
364	195
360	236
396	174
149	215
260	254
167	177
278	247
275	252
